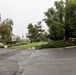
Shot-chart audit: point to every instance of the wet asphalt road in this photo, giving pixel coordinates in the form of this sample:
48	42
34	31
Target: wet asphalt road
38	62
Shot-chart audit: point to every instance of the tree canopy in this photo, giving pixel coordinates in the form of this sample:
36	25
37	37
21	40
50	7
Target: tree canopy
70	19
34	32
61	20
55	20
6	28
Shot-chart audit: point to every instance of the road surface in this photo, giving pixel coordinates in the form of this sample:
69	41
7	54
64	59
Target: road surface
38	62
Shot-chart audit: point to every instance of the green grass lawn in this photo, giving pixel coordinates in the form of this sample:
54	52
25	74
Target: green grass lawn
29	45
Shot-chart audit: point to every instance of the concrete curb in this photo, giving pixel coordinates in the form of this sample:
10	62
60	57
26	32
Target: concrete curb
71	47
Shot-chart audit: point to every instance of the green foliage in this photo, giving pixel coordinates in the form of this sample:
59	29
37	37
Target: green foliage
70	19
55	20
34	32
58	44
45	37
18	39
71	1
59	10
56	31
6	29
64	14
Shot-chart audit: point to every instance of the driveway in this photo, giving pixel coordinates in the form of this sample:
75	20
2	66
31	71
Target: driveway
38	62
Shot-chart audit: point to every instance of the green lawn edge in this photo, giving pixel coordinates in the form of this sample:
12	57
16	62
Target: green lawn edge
29	45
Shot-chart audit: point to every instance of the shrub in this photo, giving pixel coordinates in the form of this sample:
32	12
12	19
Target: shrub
58	44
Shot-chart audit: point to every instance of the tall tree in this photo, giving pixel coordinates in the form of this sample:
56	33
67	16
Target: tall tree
34	32
60	10
6	28
70	19
55	20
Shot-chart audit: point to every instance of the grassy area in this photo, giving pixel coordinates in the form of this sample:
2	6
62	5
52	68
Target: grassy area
29	45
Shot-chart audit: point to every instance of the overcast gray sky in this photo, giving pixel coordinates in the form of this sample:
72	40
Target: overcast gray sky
23	12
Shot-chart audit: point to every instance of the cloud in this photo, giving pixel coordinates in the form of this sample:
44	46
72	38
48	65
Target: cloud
23	12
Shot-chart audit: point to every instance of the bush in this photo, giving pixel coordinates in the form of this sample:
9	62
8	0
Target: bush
58	44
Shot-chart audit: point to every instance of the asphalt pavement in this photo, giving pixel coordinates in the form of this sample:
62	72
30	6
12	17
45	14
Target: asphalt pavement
38	62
